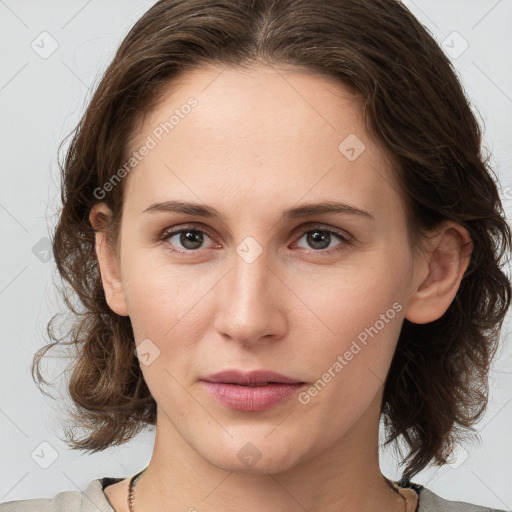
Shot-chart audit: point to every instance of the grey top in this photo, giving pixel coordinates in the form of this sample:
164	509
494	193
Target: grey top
93	499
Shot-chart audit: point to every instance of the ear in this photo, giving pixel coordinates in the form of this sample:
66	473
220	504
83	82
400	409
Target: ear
108	260
439	272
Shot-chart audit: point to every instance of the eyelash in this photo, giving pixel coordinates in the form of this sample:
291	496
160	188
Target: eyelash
344	238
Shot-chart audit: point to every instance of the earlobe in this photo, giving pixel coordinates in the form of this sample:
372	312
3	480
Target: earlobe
442	269
108	261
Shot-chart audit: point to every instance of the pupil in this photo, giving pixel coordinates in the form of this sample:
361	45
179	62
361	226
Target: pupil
318	238
191	239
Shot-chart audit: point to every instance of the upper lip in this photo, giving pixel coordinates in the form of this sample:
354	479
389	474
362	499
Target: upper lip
249	378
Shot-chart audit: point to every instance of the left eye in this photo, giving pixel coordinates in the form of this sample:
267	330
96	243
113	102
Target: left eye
321	238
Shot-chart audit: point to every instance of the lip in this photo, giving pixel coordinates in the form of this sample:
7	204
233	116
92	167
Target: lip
254	391
249	378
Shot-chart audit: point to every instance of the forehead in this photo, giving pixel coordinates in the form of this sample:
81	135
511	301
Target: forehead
251	132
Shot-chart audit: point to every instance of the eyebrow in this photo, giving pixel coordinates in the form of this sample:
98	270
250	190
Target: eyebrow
297	212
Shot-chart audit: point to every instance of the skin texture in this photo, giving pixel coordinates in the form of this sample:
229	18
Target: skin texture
259	141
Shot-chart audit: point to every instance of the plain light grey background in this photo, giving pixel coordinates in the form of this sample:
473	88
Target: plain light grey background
53	53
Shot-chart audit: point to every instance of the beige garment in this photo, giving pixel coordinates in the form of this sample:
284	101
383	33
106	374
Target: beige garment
93	499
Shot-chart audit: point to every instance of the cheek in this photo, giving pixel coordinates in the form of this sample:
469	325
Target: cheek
170	307
354	318
160	294
352	299
351	359
168	320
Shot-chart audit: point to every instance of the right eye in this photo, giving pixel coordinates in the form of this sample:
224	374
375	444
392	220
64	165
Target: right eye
190	238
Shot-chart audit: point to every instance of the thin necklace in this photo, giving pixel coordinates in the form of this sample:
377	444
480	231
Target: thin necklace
131	489
134	479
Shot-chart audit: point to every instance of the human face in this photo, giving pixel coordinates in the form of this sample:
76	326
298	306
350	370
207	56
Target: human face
254	290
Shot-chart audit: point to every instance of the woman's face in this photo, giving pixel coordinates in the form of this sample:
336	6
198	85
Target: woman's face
264	280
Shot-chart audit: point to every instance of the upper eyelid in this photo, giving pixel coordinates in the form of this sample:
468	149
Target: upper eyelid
191	227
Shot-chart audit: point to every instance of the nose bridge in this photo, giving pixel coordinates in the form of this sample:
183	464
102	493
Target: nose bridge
247	308
249	278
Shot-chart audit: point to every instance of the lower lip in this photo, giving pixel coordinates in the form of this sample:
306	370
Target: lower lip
251	398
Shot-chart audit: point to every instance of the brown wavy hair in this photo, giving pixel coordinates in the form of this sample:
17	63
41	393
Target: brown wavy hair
414	105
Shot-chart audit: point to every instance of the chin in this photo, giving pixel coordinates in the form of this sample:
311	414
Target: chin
255	455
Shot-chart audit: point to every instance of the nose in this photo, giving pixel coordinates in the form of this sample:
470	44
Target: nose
251	303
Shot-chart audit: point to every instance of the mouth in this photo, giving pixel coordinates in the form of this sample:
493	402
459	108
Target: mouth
250	379
253	391
253	385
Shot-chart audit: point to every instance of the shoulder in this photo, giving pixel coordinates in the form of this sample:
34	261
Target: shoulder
91	499
431	502
69	501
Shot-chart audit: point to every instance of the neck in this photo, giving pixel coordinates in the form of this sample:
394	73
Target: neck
343	477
